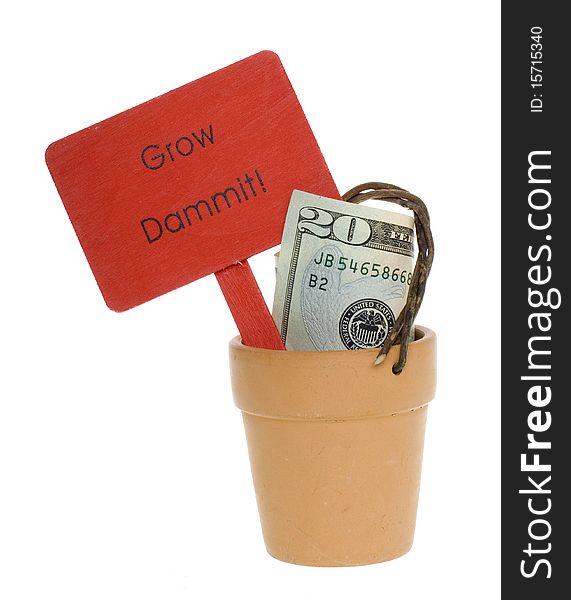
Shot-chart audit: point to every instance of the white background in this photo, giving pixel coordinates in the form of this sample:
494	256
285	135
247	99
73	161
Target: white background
123	464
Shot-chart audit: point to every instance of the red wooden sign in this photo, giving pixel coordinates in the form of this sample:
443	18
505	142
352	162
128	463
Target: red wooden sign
189	183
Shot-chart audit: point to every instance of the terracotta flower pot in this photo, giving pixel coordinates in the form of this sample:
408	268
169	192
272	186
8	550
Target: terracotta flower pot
335	448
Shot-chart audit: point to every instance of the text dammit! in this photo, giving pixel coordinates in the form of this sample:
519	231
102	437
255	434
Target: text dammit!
174	222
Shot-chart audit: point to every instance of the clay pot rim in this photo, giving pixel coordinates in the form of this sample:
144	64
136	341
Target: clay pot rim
422	335
289	385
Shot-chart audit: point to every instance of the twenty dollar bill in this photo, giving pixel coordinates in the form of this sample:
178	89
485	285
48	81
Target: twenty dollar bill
343	273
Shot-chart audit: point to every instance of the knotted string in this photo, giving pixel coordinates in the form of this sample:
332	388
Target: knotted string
405	321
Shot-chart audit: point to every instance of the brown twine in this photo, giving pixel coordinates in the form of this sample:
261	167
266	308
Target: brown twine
404	323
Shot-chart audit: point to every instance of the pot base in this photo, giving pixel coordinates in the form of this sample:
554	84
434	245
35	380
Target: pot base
335	448
337	493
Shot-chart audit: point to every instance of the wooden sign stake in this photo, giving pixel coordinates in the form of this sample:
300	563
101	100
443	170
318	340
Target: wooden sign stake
247	305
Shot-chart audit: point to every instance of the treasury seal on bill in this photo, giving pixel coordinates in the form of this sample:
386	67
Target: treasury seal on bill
366	324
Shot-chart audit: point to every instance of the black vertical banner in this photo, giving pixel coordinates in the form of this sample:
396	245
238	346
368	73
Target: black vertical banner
536	242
